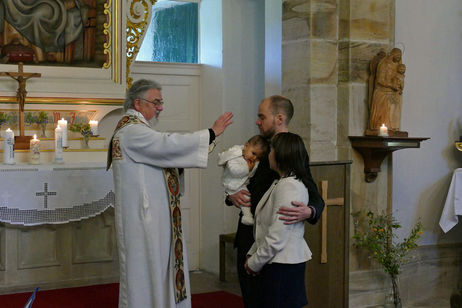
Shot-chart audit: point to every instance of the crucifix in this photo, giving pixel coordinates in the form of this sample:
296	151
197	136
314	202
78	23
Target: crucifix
22	141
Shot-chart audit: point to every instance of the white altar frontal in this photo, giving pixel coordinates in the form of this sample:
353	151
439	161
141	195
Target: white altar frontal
53	194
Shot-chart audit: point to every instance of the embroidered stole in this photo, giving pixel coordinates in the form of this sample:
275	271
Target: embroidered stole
113	151
173	189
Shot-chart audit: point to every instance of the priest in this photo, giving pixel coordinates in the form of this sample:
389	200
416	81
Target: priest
152	247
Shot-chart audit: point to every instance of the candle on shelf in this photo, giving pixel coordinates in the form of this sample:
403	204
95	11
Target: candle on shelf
8	147
63	124
383	131
94	127
59	145
34	151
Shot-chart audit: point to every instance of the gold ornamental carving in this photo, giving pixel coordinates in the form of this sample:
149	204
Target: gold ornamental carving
107	32
138	18
112	33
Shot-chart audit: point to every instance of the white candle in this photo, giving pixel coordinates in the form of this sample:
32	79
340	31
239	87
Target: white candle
35	151
63	124
8	147
59	145
383	130
94	127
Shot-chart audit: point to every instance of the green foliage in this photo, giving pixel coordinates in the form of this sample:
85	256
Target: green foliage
40	118
4	118
378	238
84	129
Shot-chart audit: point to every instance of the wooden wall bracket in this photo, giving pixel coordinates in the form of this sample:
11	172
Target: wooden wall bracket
374	149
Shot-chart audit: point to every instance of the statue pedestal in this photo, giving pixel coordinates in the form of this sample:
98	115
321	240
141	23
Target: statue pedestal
391	133
374	149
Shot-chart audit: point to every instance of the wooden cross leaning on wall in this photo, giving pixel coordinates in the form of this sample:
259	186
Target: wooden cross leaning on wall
328	202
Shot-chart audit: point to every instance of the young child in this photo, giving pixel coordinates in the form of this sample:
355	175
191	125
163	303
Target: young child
239	163
398	80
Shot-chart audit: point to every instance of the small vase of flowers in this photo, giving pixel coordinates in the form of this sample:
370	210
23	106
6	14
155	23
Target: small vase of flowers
84	130
377	237
41	119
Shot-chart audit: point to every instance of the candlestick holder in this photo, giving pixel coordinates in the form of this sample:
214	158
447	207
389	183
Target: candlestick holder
390	132
459	146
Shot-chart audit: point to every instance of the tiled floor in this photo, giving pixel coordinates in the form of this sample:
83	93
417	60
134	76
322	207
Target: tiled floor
202	282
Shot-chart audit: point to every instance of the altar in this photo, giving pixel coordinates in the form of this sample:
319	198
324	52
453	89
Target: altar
57	220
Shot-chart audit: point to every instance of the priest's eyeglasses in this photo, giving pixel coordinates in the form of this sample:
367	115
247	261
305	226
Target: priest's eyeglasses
156	102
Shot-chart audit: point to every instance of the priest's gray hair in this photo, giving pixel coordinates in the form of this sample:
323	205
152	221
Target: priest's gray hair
137	90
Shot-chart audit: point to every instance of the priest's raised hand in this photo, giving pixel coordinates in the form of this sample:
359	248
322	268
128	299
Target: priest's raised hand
222	122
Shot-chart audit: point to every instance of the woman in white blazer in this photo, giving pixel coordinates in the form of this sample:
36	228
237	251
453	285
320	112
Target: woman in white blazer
280	252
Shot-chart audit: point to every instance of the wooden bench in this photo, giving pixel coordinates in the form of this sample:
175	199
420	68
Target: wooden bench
224	238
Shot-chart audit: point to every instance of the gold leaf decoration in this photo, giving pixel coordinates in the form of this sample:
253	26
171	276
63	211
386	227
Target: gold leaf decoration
138	18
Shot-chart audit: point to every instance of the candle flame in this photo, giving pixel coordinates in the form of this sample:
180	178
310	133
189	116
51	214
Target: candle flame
35	136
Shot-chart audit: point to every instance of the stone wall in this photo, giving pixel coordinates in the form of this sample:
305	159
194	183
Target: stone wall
326	49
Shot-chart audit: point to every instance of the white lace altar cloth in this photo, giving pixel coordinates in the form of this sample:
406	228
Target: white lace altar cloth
53	194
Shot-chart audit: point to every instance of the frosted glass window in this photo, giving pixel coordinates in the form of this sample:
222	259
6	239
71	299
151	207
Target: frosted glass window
172	35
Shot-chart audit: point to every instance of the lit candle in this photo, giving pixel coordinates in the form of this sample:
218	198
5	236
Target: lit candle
8	147
383	130
59	145
63	124
35	151
94	127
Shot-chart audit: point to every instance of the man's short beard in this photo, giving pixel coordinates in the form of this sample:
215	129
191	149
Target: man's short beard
269	133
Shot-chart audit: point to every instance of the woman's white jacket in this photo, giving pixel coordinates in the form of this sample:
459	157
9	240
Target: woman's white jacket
275	241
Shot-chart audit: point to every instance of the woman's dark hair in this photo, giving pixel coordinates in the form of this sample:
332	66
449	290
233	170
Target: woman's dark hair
290	155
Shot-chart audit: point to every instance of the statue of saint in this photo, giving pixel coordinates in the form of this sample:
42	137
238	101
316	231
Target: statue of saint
386	101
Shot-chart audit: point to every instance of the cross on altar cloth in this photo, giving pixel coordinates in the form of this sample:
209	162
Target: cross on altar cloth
21	141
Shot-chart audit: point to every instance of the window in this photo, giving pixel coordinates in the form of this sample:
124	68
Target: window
172	35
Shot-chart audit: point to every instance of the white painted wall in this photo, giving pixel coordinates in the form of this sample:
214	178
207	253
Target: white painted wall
432	107
273	47
233	79
211	208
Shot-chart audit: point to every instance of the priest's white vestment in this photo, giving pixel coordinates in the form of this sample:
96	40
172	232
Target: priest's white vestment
142	210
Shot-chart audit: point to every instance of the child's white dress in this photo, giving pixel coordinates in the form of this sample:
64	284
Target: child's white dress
236	176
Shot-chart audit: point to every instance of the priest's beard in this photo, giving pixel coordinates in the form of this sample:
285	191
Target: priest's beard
153	122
